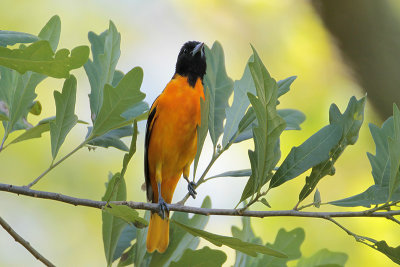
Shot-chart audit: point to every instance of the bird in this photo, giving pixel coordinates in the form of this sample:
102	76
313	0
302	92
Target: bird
171	139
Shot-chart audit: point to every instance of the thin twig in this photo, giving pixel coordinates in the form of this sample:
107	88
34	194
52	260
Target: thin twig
358	238
21	190
393	219
215	156
24	243
254	200
53	165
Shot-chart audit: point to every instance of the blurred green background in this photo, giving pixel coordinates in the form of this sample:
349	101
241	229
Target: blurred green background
291	40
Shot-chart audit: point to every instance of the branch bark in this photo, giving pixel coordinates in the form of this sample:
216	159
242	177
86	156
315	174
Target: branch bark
24	243
21	190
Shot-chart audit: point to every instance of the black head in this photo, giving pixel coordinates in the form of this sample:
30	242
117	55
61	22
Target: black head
191	61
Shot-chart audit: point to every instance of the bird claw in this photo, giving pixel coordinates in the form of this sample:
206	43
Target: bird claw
163	208
191	190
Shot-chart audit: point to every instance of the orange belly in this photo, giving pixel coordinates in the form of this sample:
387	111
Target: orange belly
173	139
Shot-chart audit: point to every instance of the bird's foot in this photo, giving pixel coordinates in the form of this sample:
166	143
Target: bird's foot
163	208
191	190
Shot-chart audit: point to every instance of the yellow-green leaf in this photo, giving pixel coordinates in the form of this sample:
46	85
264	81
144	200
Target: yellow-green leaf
39	57
127	214
232	242
117	100
65	115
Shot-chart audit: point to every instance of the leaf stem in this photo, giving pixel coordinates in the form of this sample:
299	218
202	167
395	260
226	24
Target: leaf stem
296	207
309	205
305	206
3	141
53	165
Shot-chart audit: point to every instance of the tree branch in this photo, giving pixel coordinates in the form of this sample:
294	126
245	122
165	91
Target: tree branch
21	190
24	243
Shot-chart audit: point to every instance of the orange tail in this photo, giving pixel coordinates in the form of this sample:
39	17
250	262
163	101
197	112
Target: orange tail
157	234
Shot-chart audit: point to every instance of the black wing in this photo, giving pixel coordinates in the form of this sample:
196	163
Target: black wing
149	126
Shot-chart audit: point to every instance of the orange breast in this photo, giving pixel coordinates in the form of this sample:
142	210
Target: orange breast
173	139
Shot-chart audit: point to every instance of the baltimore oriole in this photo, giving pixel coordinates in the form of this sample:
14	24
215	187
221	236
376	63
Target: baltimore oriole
171	138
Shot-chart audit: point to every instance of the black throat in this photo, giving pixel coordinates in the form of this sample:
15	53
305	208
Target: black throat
191	63
191	78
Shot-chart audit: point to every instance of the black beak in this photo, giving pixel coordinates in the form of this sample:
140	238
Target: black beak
198	48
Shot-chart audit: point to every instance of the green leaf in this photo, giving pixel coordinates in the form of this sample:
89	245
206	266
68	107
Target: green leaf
350	122
51	32
394	153
40	58
246	125
292	117
4	113
312	152
105	53
203	129
235	113
324	257
380	162
250	187
247	235
269	127
117	100
232	242
112	226
270	124
317	199
392	253
132	149
12	38
127	214
238	173
287	242
17	91
37	131
128	234
139	250
284	85
265	202
125	162
36	108
112	138
374	195
34	132
221	87
136	111
181	240
65	114
204	257
128	258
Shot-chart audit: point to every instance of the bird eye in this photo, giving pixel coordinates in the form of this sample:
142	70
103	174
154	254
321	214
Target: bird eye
185	51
